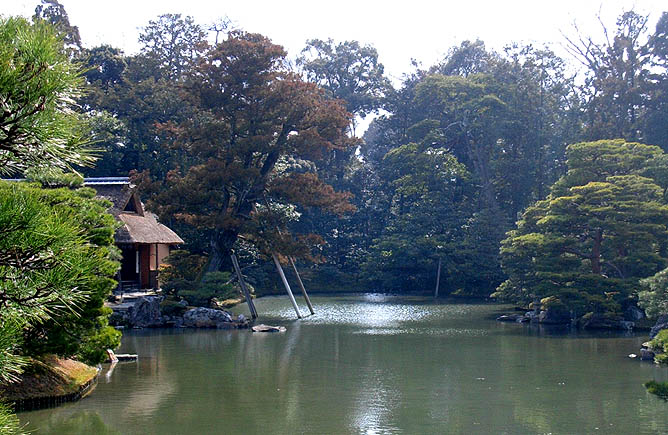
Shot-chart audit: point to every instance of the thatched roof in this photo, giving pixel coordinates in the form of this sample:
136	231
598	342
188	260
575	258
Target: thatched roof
139	226
145	229
119	194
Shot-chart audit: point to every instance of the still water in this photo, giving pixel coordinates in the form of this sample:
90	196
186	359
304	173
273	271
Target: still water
370	364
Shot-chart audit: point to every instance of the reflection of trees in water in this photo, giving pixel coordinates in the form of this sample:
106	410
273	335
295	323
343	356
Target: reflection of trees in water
449	372
78	423
574	384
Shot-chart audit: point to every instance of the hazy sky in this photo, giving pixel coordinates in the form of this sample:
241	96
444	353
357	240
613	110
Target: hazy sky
423	30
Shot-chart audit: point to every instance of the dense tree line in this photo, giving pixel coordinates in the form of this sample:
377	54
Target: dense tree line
458	151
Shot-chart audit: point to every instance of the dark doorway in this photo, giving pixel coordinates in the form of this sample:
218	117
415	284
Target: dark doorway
129	264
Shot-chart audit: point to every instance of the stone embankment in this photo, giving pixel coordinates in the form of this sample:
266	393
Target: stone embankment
590	321
146	312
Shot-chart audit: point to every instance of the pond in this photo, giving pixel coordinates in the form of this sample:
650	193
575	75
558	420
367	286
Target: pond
371	364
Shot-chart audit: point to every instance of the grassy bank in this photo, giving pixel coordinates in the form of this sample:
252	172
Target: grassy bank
49	378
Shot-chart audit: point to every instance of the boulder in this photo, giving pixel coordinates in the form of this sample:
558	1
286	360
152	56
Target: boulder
145	312
661	323
510	318
646	355
627	325
531	316
207	318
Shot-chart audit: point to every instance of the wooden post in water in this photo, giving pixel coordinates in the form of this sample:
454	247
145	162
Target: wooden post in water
287	286
438	277
292	262
242	283
301	285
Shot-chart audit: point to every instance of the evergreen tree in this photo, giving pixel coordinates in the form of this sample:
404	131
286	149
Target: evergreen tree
602	228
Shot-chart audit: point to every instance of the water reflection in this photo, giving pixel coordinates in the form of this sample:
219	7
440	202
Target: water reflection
371	364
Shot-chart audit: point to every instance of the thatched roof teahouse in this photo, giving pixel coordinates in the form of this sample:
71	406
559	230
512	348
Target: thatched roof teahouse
143	240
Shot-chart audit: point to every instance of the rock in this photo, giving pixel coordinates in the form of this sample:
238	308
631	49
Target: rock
661	323
241	318
633	313
207	318
268	328
646	355
632	355
508	318
554	317
183	303
519	318
626	325
531	316
145	312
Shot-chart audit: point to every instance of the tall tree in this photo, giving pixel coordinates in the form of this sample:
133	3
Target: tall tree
428	214
617	73
349	71
171	44
54	13
655	123
255	132
470	57
463	115
602	228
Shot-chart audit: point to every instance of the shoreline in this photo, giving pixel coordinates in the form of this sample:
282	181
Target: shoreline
50	383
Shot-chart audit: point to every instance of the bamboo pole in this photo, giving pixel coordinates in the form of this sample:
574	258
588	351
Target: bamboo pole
438	277
301	285
249	299
287	286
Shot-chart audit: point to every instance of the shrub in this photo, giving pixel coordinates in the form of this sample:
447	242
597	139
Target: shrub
654	297
171	308
660	342
659	389
181	271
94	349
213	285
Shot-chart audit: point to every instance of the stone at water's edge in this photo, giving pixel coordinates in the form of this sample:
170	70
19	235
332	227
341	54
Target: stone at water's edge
145	312
207	318
268	328
661	323
512	318
647	355
560	317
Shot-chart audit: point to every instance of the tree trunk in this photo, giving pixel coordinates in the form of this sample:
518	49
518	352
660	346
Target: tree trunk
438	277
221	248
596	253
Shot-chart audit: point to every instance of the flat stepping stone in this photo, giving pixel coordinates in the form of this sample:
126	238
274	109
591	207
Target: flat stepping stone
268	328
114	357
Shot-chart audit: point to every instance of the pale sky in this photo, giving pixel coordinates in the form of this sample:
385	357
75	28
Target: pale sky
418	29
